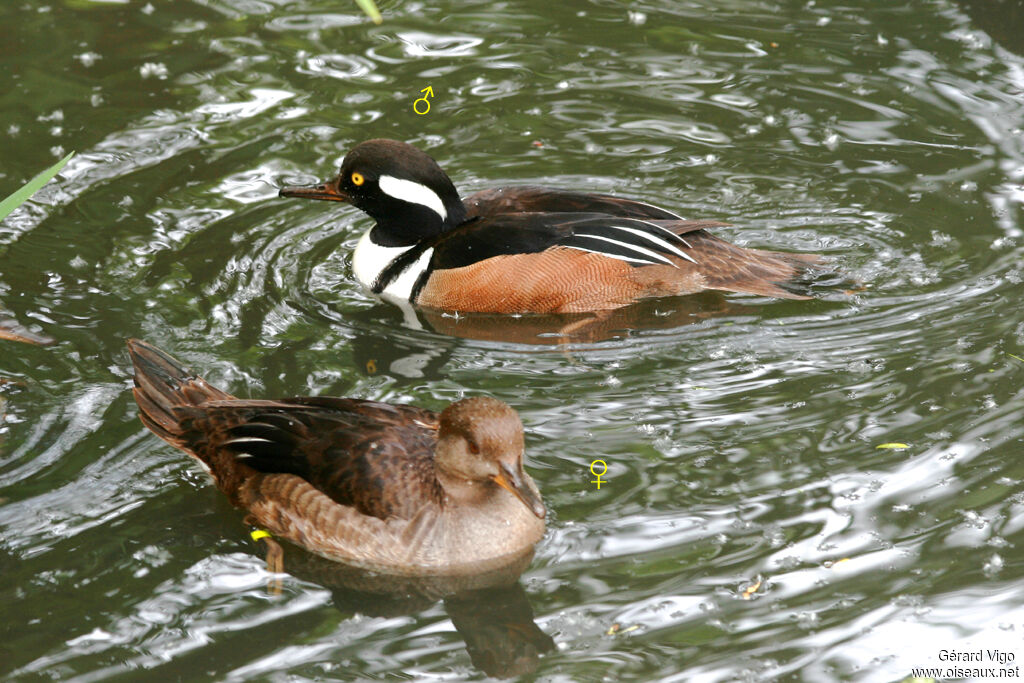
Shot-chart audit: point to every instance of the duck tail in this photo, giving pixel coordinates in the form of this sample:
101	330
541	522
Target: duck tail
164	388
726	266
795	272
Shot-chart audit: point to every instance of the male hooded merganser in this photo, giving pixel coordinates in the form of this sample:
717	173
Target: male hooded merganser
530	249
388	487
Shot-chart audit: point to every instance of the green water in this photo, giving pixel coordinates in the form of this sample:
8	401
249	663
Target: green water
750	527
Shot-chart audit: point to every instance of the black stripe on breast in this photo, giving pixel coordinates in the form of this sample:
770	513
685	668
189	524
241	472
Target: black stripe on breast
396	267
421	281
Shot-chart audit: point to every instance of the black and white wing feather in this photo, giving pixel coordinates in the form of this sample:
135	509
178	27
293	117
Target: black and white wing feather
633	240
637	241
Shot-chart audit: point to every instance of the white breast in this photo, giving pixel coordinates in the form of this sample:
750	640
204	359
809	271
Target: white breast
370	259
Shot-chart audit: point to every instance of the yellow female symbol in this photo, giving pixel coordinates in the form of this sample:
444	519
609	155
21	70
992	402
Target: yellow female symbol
598	474
427	92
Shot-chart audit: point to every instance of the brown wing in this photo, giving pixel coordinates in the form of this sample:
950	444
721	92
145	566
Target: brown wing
536	199
376	457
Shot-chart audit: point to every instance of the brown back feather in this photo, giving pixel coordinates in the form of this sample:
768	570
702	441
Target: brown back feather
375	457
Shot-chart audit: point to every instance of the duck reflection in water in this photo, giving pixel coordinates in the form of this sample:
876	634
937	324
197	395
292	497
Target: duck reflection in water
408	355
489	610
589	327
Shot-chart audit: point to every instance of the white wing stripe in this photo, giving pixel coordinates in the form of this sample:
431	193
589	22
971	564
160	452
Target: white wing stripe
627	245
605	253
657	208
246	439
657	240
666	231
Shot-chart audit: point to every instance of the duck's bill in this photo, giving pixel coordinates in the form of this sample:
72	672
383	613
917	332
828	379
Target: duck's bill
513	482
327	191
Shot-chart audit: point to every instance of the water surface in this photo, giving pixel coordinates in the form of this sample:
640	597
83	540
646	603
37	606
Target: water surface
751	527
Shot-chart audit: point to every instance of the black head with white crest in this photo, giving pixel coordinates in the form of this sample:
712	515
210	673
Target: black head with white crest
399	186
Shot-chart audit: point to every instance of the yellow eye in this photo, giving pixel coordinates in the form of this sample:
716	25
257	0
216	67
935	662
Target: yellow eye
358	179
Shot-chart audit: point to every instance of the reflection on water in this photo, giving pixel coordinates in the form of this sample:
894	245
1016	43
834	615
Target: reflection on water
741	434
1000	20
406	356
491	611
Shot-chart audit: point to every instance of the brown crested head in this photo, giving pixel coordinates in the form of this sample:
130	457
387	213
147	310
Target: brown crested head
481	439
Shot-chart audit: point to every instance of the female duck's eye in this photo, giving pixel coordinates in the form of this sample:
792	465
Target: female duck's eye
473	448
358	179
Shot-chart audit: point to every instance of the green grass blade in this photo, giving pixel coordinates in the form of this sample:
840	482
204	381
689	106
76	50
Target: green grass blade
371	10
30	188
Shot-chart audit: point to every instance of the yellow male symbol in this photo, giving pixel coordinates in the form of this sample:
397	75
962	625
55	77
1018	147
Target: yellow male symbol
598	474
427	92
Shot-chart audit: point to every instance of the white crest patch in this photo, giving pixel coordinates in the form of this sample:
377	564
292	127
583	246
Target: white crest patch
412	192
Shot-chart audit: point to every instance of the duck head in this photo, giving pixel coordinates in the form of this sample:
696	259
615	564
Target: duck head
480	441
400	187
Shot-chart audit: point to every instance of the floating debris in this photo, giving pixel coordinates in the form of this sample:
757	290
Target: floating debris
617	628
11	331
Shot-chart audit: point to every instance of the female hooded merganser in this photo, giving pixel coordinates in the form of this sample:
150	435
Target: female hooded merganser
392	488
530	249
